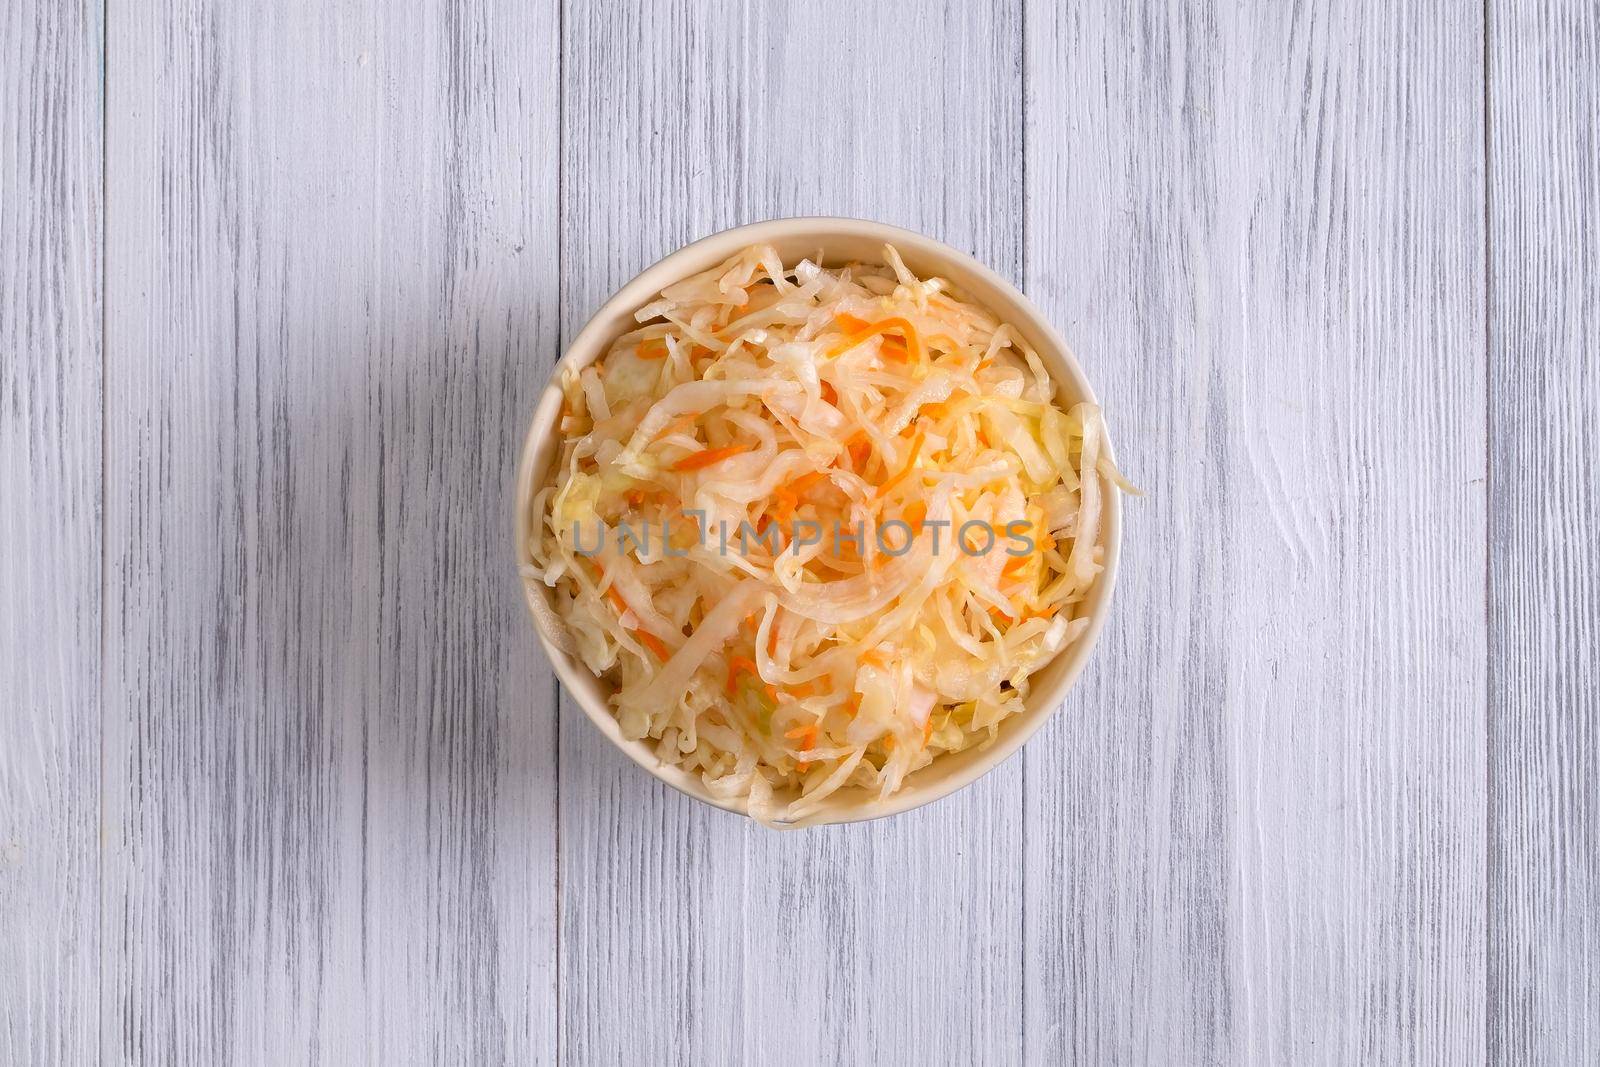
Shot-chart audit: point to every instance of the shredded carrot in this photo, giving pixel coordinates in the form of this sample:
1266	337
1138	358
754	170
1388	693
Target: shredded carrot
807	736
654	644
873	658
772	642
927	729
735	665
786	498
805	481
681	424
1022	615
859	447
861	331
1041	546
829	394
706	457
905	469
854	706
654	348
894	351
611	593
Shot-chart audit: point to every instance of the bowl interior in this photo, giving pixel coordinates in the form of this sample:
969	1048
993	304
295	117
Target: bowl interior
831	242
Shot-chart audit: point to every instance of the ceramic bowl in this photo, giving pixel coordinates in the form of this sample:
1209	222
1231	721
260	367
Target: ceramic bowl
837	241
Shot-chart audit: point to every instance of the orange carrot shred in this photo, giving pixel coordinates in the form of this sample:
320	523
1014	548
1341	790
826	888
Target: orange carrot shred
858	447
807	736
735	665
805	481
706	457
654	348
865	331
654	644
905	469
783	505
894	351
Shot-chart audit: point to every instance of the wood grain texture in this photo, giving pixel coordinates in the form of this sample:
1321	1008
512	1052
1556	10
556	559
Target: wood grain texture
329	740
285	778
50	242
1257	832
689	935
1544	390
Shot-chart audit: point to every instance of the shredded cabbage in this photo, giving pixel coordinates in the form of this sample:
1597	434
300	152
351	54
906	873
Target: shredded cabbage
754	529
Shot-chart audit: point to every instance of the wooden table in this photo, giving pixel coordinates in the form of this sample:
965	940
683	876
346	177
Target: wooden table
284	776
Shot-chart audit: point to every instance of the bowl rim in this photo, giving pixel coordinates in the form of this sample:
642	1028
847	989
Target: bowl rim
594	338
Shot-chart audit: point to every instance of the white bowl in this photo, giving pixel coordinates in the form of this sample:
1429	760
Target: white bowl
836	241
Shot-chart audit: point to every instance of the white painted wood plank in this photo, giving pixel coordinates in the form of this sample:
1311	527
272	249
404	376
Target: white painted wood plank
50	241
1257	832
1544	390
689	935
330	740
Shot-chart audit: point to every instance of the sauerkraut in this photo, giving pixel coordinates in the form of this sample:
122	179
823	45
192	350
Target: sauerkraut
818	526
